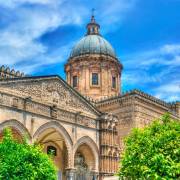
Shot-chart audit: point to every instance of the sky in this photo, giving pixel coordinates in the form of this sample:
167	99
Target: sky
37	36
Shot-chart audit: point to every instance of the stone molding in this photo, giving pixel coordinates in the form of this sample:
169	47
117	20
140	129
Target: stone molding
139	95
109	148
37	108
51	90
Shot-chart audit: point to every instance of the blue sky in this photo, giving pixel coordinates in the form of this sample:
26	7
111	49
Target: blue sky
36	37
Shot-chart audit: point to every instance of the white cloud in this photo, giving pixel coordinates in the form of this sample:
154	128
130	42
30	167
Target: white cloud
156	69
148	58
169	91
19	39
114	12
171	49
16	3
166	55
27	20
173	87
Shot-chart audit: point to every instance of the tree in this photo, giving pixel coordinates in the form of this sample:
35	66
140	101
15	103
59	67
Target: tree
152	152
22	161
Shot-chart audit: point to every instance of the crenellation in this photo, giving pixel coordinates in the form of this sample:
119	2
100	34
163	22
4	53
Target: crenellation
7	73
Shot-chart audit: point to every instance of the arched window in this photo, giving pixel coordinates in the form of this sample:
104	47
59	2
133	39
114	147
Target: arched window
75	81
52	150
95	80
113	82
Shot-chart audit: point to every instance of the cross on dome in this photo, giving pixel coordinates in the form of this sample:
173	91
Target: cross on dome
92	16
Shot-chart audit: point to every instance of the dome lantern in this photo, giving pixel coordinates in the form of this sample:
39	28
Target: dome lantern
93	27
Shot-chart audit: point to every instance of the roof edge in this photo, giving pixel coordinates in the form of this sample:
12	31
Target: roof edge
135	92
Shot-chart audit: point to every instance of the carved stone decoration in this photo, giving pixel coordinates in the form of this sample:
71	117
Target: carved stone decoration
108	136
15	102
54	112
51	92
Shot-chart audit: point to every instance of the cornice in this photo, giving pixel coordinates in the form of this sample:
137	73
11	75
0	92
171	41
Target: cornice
134	93
27	105
91	57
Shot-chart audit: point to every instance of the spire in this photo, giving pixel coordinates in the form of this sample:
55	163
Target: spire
92	27
92	16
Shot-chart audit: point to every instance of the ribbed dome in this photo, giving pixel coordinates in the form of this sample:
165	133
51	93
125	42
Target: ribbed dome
93	44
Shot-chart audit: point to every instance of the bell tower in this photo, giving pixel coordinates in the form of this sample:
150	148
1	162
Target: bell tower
93	67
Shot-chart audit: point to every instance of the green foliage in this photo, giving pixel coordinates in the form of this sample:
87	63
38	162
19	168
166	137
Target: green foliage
22	161
152	152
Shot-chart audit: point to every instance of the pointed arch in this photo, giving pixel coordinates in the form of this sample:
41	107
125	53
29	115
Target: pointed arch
16	125
62	131
92	145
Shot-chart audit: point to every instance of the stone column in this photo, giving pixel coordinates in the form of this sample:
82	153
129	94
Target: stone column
70	174
94	175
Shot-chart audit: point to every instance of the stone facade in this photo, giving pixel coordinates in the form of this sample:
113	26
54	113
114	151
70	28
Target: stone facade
50	112
136	109
83	123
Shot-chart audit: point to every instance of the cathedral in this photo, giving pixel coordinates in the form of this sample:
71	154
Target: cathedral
84	118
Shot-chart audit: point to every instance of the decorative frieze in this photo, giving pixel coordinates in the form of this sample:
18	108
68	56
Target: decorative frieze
48	111
50	92
37	108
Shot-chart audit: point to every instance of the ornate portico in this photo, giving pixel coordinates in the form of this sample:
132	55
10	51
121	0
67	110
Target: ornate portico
51	113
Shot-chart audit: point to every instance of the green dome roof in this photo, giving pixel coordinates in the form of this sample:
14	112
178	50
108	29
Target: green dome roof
93	44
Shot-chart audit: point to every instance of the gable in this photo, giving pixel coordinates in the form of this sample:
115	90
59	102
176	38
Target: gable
51	91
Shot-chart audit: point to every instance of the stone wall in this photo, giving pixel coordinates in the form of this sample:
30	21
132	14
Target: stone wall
135	109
